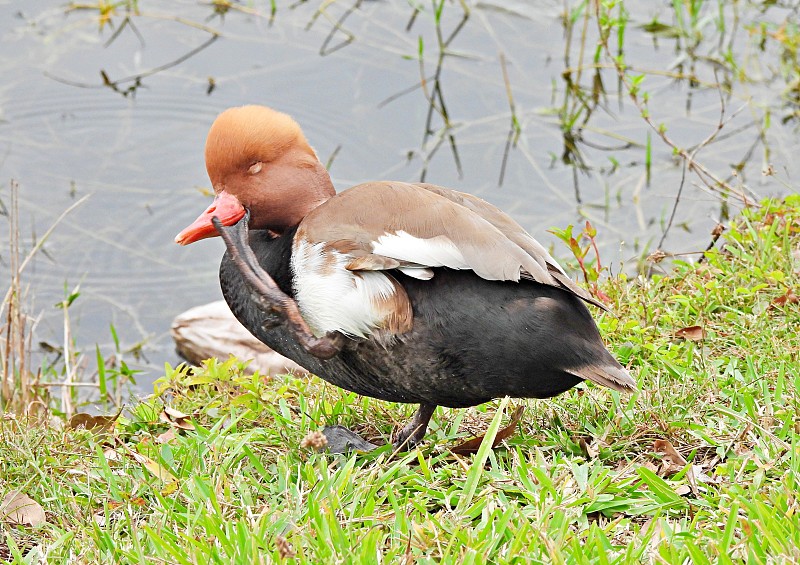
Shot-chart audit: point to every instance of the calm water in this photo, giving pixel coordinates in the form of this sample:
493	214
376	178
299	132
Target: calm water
64	135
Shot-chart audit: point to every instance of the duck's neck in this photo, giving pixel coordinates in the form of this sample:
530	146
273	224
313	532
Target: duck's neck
296	184
320	187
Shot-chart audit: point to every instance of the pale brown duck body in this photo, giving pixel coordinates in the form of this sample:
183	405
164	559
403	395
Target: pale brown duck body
444	299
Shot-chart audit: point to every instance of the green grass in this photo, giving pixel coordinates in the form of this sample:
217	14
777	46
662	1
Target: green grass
580	482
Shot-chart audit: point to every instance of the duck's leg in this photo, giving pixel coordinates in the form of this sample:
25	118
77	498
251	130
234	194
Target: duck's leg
278	306
413	432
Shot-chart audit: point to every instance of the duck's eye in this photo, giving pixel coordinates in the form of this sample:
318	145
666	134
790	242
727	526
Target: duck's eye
255	168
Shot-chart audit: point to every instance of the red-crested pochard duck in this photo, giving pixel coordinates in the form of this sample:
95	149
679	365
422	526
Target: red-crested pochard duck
406	292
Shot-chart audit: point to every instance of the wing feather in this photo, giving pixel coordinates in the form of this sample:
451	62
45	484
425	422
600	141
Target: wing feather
387	225
555	274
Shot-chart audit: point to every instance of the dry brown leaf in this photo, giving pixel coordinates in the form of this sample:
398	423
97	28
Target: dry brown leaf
668	453
656	256
673	462
157	470
175	414
683	490
471	446
702	477
585	443
692	333
97	424
650	466
176	418
746	528
285	549
166	437
111	454
789	298
19	509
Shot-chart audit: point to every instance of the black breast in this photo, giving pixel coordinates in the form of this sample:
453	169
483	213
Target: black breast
472	339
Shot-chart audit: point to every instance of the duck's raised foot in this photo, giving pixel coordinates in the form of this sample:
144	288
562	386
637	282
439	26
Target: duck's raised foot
343	440
279	308
414	431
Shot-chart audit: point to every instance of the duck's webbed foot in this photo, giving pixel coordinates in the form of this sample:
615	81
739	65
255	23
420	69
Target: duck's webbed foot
413	432
279	308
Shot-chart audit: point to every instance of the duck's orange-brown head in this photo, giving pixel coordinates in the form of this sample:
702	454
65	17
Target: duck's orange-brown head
259	159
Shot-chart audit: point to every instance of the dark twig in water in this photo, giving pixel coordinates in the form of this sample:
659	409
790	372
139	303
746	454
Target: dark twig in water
435	97
329	162
738	167
412	19
409	90
514	129
127	21
594	145
171	64
578	105
337	26
674	207
690	159
137	78
222	7
576	186
709	179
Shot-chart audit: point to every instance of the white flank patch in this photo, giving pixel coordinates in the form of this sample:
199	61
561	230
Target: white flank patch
330	297
437	251
420	273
